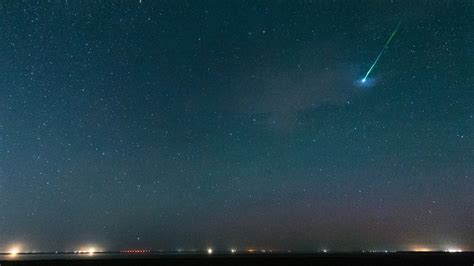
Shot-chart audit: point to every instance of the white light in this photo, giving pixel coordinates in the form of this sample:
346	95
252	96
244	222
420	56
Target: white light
363	80
91	251
209	251
88	250
325	250
233	250
453	250
14	251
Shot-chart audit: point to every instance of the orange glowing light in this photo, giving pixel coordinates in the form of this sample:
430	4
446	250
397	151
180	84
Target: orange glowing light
420	249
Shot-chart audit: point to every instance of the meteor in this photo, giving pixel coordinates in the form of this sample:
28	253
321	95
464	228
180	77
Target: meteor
381	52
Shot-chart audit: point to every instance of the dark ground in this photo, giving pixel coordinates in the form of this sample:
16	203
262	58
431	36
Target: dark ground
464	258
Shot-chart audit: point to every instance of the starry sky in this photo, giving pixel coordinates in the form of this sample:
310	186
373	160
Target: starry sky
195	124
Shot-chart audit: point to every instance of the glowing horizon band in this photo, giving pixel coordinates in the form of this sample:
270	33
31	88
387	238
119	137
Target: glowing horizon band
381	52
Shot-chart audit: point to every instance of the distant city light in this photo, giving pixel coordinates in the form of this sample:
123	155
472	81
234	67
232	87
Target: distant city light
14	251
140	251
209	251
325	250
87	250
421	249
453	250
91	251
233	250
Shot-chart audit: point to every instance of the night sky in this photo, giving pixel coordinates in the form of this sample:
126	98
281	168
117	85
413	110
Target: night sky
236	124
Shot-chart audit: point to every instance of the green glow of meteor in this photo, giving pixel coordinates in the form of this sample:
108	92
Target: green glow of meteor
381	52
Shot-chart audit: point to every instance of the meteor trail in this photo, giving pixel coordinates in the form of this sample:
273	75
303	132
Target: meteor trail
381	52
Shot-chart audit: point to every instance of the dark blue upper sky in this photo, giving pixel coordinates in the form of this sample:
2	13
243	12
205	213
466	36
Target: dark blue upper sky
188	124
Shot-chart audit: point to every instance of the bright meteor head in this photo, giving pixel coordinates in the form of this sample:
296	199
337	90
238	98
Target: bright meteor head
364	82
